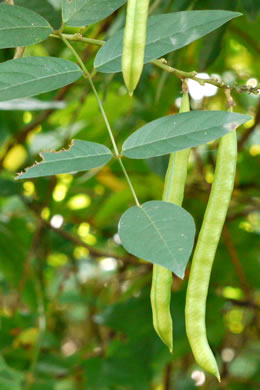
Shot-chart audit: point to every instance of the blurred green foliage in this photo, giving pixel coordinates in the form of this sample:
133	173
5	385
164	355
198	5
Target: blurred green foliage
74	307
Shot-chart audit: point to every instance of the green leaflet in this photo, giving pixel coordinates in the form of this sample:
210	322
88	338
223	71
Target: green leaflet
31	76
43	8
21	27
182	131
81	156
165	33
78	13
159	232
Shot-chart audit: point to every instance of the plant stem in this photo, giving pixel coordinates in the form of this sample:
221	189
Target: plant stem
193	75
78	37
87	75
154	6
117	154
129	181
19	52
162	63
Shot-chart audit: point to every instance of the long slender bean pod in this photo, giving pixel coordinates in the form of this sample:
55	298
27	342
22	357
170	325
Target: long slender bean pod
204	254
162	277
134	42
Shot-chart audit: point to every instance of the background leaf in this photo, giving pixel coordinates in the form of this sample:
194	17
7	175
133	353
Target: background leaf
182	131
81	156
8	187
21	27
9	379
78	13
43	8
31	76
211	47
165	33
251	7
159	232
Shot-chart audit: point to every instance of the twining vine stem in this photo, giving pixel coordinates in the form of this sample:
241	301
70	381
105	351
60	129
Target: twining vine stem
88	76
79	37
162	63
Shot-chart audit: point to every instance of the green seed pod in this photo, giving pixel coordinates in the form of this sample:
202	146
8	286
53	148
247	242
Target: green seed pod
162	277
204	254
134	42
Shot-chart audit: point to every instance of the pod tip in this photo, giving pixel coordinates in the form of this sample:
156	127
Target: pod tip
170	346
218	376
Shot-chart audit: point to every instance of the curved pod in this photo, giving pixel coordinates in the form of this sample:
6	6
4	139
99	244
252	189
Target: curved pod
162	277
204	254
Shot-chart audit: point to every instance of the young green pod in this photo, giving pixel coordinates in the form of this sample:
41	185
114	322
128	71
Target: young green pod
134	42
162	277
205	250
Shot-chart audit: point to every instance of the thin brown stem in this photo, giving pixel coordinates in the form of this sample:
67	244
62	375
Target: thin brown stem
251	129
167	377
19	52
27	269
23	132
153	7
199	163
241	303
93	251
243	213
236	261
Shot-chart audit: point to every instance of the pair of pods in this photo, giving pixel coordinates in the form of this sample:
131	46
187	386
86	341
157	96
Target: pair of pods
209	236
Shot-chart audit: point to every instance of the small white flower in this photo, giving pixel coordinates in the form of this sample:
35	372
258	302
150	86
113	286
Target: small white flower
216	77
252	83
199	377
